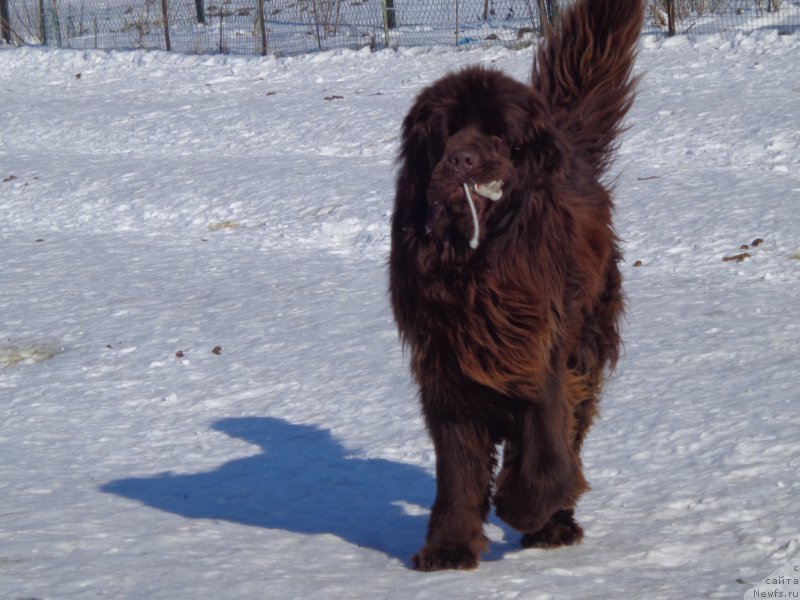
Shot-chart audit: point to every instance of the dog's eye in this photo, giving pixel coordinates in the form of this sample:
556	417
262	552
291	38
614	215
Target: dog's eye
501	146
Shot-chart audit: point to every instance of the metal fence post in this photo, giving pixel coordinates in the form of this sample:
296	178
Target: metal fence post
316	21
389	16
458	24
5	21
56	21
165	15
670	17
42	24
200	9
542	7
385	24
262	26
549	11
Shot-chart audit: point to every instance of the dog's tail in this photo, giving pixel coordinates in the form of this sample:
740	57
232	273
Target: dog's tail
583	71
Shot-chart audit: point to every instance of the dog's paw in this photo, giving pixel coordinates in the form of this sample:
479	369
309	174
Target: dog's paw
525	509
521	517
434	557
560	530
527	503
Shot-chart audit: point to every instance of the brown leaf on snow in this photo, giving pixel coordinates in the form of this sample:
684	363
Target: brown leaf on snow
737	257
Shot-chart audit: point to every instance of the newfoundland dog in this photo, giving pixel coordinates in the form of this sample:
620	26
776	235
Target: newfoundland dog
504	279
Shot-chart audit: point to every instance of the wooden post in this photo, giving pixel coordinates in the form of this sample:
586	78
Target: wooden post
262	27
670	18
5	21
165	16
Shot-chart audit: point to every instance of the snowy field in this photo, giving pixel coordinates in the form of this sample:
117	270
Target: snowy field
202	394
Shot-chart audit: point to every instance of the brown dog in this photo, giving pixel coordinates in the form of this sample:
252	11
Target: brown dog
504	278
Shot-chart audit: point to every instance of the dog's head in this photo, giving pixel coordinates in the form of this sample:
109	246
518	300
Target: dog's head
473	144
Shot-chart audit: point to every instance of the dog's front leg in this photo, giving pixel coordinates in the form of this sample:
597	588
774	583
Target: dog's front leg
541	472
464	467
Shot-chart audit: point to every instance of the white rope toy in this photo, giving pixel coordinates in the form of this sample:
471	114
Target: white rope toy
493	191
473	243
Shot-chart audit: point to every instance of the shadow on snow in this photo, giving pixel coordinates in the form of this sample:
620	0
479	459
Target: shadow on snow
304	482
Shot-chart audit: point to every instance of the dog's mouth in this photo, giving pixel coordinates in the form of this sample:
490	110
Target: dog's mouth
492	190
463	201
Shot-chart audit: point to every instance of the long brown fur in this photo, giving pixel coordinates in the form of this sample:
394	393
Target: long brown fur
510	341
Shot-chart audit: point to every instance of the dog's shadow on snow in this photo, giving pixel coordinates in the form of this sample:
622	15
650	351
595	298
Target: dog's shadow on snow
303	481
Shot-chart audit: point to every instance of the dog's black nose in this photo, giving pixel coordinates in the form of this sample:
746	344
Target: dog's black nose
464	159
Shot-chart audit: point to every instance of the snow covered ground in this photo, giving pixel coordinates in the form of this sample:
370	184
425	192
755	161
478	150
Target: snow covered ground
201	390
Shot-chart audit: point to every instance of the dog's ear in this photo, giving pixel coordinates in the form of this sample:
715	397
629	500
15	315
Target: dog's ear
541	148
421	145
423	136
547	149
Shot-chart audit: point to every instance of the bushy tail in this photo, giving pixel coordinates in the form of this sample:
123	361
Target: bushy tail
583	71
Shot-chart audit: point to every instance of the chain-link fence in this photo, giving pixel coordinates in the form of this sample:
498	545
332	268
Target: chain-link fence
285	27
